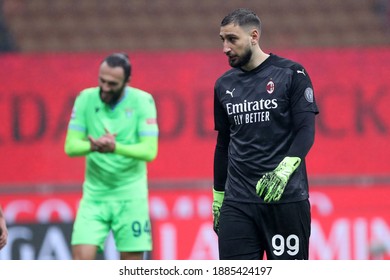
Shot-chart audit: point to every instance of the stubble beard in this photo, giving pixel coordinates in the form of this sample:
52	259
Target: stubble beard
113	96
243	60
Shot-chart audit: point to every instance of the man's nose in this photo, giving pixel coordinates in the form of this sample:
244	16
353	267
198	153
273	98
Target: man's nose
105	87
226	48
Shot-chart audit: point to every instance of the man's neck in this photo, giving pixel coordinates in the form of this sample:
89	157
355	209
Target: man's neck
258	58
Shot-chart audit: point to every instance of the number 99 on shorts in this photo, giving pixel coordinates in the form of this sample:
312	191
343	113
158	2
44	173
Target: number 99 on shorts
290	245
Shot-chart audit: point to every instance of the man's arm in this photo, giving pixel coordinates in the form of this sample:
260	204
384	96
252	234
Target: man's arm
145	150
3	230
221	160
304	129
271	186
220	175
76	144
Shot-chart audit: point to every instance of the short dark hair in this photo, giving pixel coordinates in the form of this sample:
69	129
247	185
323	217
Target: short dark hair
119	60
242	17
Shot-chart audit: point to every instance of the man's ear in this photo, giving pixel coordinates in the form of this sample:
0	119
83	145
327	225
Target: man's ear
255	36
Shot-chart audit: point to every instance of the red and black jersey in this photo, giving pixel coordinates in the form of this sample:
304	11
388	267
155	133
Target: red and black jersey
257	110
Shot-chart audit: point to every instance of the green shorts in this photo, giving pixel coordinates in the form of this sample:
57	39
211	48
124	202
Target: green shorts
128	220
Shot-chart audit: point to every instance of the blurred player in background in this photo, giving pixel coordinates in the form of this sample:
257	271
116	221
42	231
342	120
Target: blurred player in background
264	112
115	127
3	230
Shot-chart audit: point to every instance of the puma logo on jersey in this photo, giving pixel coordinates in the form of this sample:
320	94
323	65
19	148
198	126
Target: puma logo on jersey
301	72
230	92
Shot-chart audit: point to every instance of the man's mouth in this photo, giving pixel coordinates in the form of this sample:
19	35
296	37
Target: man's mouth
106	96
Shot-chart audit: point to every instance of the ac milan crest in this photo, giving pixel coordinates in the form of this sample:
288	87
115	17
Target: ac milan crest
270	87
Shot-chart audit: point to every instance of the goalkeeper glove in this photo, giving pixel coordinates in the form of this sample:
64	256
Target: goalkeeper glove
218	197
271	186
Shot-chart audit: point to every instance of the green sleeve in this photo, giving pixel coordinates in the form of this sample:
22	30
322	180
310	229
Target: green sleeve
145	150
76	144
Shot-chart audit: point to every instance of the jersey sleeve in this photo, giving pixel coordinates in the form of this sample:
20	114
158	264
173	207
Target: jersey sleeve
221	121
77	119
147	123
302	92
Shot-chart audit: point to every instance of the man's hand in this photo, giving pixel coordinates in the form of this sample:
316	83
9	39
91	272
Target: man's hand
105	144
218	197
3	232
271	186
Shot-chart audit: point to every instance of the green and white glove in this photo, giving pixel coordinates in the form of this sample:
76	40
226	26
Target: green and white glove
271	186
218	197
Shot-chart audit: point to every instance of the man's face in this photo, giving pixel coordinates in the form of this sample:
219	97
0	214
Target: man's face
111	83
236	45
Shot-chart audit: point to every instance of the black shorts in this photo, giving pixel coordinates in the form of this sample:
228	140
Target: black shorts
247	230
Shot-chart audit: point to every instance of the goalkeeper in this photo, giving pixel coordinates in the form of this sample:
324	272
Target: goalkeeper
264	113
